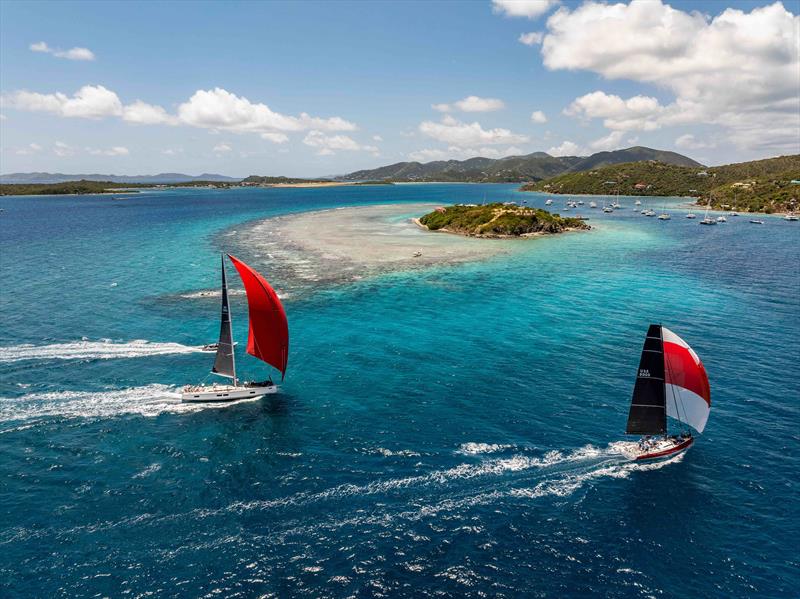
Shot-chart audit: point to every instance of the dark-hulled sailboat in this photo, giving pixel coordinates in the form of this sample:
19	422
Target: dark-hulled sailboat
267	340
671	381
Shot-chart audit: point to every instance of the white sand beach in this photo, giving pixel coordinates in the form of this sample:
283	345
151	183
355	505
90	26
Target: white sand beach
351	243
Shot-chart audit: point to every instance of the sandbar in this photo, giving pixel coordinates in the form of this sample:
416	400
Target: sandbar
347	244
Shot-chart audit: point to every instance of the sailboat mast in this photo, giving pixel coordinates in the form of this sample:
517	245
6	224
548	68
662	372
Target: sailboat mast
230	324
225	361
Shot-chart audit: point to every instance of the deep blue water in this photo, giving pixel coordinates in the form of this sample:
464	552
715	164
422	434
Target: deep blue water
440	432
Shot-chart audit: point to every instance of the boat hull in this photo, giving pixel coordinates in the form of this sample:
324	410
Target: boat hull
663	453
221	394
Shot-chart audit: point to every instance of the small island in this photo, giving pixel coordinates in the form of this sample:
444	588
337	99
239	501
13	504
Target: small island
498	220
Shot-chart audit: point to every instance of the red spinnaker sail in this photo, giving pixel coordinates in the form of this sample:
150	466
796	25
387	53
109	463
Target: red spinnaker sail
268	339
688	391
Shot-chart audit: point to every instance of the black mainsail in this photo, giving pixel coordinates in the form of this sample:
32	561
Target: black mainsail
224	363
648	414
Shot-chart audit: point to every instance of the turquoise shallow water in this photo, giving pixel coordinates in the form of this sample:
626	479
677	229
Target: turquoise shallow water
446	432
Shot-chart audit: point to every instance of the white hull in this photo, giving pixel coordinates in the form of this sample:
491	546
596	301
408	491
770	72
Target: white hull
222	393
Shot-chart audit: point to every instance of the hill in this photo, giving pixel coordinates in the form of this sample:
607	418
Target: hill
258	180
69	187
498	220
161	178
512	169
756	186
93	187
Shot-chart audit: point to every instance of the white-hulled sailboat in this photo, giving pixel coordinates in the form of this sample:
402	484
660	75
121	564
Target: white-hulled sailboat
268	340
707	220
671	381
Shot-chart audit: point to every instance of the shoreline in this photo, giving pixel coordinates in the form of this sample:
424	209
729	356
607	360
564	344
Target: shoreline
654	198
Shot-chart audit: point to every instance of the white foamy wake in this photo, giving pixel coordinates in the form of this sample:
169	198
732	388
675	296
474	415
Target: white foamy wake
148	400
466	471
105	349
479	448
552	481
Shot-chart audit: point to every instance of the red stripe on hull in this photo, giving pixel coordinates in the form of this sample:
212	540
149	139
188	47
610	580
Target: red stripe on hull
667	452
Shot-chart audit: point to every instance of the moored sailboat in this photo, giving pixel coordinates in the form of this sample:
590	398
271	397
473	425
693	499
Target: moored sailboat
671	381
268	340
707	220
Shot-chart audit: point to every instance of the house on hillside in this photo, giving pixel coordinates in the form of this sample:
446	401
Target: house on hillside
641	186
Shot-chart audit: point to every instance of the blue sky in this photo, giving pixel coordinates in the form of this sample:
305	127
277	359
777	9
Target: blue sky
224	87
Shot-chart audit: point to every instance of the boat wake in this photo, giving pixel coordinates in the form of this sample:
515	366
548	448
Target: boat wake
147	400
104	349
554	473
448	494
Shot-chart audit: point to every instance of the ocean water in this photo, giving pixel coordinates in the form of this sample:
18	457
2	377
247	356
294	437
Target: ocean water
451	431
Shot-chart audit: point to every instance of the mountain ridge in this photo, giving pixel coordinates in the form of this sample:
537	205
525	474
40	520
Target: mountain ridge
513	169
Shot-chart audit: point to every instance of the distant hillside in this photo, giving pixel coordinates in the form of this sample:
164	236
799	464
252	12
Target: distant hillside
258	180
757	186
160	178
512	169
66	188
93	187
634	154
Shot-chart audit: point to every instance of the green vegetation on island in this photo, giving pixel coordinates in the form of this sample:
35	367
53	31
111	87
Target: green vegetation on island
71	187
258	180
84	187
771	185
498	220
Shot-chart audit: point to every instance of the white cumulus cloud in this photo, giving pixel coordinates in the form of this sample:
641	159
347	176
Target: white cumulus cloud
76	53
537	116
641	113
478	104
532	38
523	8
567	148
612	141
471	104
276	138
147	114
690	142
327	145
62	149
90	101
223	147
32	148
738	70
220	109
465	135
456	153
215	109
114	151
